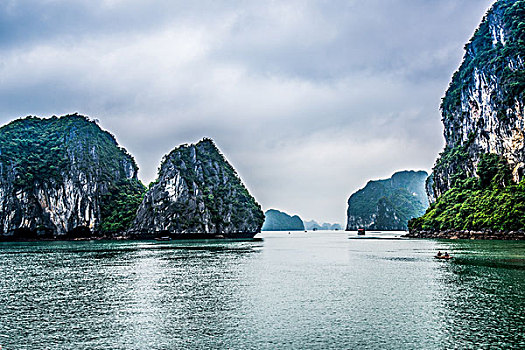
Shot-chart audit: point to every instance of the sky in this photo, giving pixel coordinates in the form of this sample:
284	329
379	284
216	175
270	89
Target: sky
309	100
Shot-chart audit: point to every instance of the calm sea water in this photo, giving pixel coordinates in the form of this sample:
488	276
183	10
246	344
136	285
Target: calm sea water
299	291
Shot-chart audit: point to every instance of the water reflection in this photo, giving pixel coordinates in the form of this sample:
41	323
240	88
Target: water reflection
299	291
114	295
181	294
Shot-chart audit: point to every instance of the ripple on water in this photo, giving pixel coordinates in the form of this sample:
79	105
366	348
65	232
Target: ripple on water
313	291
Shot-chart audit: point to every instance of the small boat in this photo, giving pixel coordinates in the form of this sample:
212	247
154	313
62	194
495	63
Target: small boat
361	231
444	257
163	238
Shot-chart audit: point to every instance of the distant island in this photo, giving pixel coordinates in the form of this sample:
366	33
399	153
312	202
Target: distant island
66	178
276	220
314	225
388	204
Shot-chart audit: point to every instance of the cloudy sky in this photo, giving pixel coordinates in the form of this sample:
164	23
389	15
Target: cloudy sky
307	99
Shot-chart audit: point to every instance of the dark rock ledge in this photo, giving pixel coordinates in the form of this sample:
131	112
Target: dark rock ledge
469	234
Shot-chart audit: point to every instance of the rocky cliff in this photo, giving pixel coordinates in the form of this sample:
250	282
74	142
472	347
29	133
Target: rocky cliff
388	204
64	176
477	186
483	108
276	220
197	192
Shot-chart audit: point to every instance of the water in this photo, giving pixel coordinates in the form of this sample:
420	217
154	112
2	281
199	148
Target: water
299	291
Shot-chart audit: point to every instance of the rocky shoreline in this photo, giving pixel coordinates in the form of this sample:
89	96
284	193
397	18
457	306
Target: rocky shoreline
469	234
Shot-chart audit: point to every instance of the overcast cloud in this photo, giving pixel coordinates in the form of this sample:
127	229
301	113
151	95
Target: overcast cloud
307	99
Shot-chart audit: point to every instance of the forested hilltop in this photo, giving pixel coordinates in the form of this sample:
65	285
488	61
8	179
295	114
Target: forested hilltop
478	179
64	177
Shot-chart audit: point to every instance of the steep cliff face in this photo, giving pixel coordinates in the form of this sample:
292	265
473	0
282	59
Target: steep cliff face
276	220
483	108
198	191
388	204
478	181
63	176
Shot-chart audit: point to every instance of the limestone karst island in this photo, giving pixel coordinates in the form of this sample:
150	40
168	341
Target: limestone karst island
66	178
476	188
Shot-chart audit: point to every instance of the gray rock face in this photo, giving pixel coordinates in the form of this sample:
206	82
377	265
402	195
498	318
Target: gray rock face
198	191
483	109
54	174
429	187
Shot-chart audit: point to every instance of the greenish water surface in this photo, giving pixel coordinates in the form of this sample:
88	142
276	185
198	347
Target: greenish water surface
289	291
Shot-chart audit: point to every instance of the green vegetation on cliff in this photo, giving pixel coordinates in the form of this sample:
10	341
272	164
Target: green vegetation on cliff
42	149
120	204
490	201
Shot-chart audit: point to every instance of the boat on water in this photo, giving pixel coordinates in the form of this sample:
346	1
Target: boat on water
443	257
361	231
162	238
